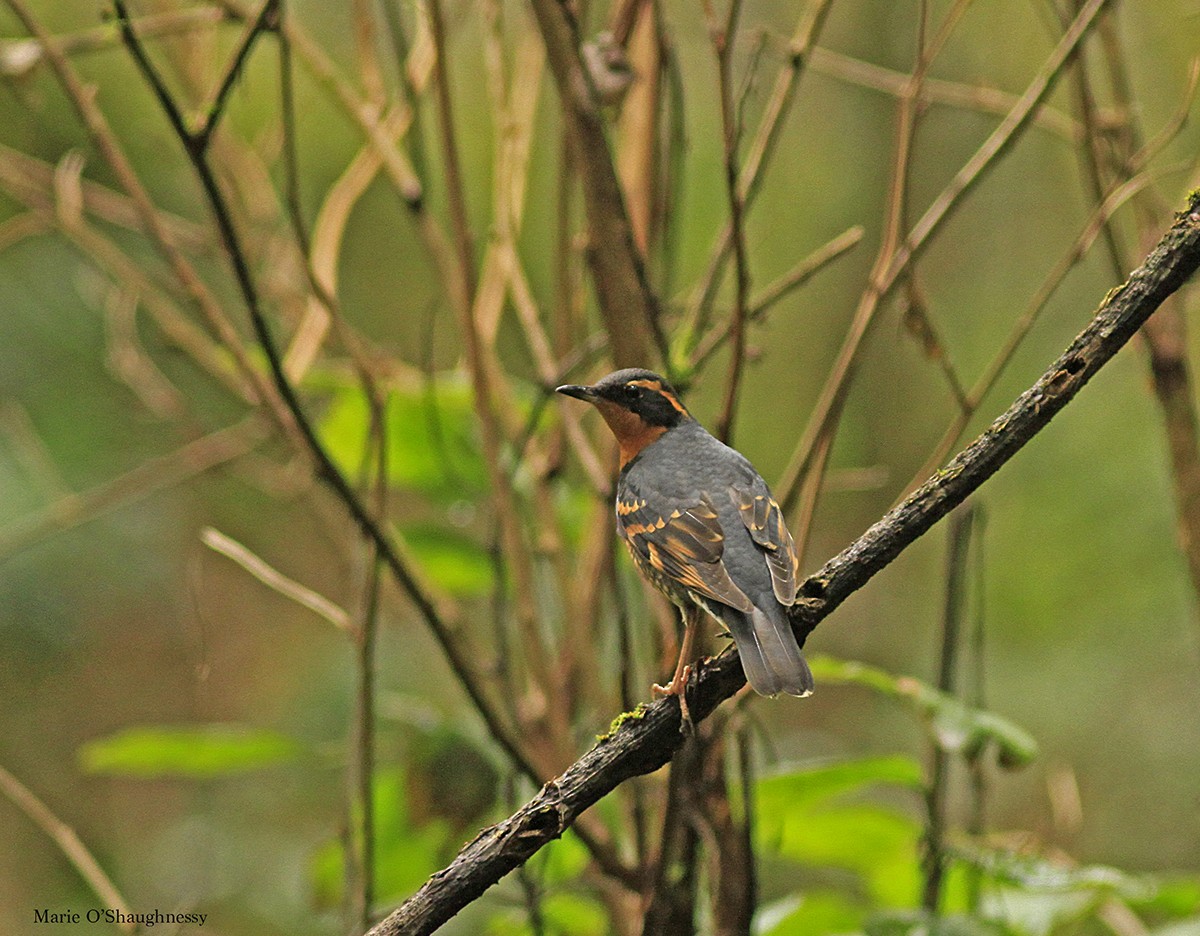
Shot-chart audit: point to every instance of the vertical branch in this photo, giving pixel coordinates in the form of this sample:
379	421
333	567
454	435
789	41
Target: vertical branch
515	551
366	51
805	474
672	898
450	155
627	304
934	859
723	40
366	635
734	887
638	158
977	817
444	631
758	155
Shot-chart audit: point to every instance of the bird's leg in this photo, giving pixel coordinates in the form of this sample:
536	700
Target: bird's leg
683	669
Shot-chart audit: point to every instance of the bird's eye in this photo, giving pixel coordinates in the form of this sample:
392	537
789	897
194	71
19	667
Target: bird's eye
632	391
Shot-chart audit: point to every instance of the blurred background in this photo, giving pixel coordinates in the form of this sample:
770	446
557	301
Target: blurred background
198	722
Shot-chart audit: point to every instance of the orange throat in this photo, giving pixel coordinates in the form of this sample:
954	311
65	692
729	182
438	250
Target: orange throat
633	433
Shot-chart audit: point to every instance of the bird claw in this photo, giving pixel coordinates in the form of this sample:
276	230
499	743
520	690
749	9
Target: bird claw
678	687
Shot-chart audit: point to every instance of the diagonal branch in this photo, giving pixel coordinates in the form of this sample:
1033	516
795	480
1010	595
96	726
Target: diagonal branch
647	739
891	263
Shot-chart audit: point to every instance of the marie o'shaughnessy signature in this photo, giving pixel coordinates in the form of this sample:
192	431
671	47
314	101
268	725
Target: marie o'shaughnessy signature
108	915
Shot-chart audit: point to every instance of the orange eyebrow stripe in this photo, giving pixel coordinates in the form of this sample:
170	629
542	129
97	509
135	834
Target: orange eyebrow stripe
658	388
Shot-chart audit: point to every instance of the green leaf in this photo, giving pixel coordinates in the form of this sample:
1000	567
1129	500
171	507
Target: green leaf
956	727
801	786
432	441
804	816
562	914
1038	897
574	915
405	853
563	860
452	561
878	844
197	751
1176	897
813	913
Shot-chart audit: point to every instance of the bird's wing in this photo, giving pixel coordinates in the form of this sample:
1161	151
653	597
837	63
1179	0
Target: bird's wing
683	544
764	520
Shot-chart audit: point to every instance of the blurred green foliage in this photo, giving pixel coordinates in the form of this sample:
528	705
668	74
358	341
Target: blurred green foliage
190	752
190	724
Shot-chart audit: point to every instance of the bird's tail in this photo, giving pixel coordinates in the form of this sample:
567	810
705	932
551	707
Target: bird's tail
770	655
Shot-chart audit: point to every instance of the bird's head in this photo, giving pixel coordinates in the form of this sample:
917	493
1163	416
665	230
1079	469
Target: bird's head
638	405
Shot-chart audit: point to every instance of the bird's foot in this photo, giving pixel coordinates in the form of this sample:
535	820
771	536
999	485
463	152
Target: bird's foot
678	687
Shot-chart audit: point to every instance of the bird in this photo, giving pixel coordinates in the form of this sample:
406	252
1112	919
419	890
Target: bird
702	526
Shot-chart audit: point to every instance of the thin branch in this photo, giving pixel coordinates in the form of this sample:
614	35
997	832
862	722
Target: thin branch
937	791
106	142
275	580
69	843
885	275
1028	318
627	304
1166	334
938	91
149	477
649	737
360	111
265	20
363	733
30	180
759	154
804	475
18	57
451	164
773	292
723	40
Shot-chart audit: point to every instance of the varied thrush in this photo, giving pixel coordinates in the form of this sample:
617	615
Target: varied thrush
701	525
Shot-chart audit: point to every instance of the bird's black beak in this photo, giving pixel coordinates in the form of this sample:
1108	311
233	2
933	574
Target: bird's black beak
578	391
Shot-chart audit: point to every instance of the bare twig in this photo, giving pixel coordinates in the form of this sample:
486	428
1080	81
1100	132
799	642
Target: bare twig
69	843
628	305
1166	334
723	37
275	580
20	56
758	155
30	180
938	91
937	791
161	234
978	392
451	164
154	475
265	20
772	293
886	273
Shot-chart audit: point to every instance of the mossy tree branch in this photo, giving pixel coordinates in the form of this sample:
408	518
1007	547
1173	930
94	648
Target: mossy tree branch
647	739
